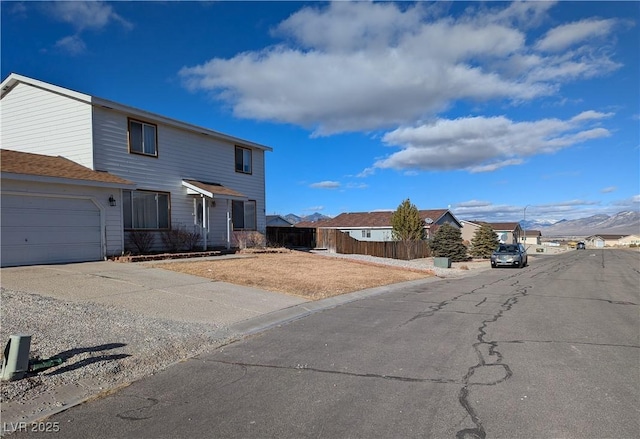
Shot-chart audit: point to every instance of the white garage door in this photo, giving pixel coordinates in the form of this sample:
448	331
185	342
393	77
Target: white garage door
49	230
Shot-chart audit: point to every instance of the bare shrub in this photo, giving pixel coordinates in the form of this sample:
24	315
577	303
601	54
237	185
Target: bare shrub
192	239
249	239
179	238
142	240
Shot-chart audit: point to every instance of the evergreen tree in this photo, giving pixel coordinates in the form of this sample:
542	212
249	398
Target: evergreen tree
447	243
484	241
407	226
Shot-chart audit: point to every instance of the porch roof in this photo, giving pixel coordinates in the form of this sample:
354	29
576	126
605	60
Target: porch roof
212	190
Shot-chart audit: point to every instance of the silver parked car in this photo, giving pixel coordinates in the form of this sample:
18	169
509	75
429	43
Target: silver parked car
509	255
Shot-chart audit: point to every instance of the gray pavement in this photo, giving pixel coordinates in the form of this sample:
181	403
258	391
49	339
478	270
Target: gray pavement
140	288
551	350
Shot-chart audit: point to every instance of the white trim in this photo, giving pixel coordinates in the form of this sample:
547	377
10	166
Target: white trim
195	190
14	78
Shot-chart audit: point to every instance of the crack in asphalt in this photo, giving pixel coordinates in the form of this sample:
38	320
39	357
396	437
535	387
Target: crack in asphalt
478	432
338	372
570	342
612	302
147	404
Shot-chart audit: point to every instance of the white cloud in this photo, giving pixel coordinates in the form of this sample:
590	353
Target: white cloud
82	16
368	66
608	190
552	212
325	185
86	15
72	44
567	35
481	144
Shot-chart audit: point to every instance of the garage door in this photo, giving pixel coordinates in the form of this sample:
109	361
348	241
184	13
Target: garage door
48	230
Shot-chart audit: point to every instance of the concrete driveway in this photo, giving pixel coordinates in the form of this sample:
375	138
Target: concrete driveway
155	292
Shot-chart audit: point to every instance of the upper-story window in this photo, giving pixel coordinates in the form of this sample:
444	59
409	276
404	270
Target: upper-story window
243	160
143	138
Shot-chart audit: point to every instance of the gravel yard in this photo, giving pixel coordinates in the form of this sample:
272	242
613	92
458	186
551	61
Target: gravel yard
105	346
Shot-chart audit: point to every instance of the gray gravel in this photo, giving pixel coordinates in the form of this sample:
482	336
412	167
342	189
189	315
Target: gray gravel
103	346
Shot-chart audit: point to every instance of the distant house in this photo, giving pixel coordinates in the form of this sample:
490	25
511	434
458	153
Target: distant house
278	221
510	233
532	237
376	226
629	240
600	241
469	229
170	174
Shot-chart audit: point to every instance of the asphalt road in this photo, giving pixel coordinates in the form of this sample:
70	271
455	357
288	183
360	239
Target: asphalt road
548	351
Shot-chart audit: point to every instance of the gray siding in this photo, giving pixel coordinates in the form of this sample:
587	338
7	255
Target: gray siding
181	155
41	122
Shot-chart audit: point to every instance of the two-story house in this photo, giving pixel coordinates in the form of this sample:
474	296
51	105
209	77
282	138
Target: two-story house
161	174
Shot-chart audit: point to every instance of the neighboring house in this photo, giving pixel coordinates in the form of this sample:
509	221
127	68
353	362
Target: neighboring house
510	233
172	174
469	229
600	241
278	221
376	226
629	240
532	237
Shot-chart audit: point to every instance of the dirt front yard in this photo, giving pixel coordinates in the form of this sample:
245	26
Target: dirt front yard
302	274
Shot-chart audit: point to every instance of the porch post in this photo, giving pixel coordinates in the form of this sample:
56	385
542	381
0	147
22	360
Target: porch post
205	221
228	226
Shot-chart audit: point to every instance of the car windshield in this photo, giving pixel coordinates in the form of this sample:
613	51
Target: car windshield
507	249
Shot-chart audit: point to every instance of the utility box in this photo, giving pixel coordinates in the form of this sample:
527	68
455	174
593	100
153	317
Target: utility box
15	364
442	262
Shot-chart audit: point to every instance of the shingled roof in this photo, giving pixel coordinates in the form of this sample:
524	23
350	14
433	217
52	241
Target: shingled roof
24	163
368	219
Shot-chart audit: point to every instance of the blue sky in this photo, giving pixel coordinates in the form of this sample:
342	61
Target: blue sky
483	107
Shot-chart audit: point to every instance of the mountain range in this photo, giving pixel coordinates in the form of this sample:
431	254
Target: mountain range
622	223
313	217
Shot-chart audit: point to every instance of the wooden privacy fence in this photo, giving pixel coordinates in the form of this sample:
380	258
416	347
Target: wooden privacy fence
291	236
340	242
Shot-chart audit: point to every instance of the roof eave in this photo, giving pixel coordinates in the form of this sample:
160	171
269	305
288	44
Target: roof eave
14	78
63	180
143	114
